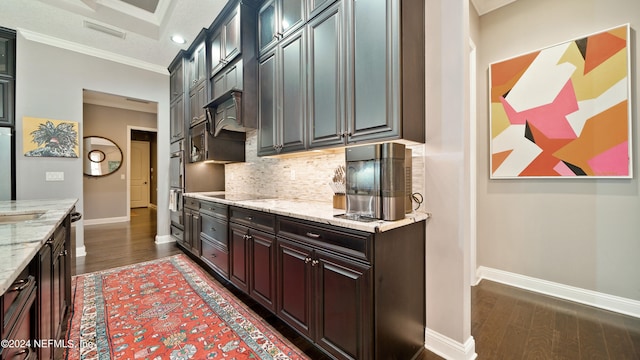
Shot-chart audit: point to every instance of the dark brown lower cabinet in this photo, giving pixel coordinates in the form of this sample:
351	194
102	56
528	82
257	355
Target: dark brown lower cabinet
45	299
327	298
326	291
252	267
262	279
54	289
354	294
18	317
239	267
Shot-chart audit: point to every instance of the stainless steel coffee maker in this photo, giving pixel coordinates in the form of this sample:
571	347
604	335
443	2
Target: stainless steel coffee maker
375	184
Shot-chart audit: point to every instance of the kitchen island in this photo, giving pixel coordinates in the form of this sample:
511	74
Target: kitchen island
35	274
356	289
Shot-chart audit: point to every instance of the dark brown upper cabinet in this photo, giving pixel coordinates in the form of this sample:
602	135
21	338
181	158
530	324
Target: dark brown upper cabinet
7	75
225	41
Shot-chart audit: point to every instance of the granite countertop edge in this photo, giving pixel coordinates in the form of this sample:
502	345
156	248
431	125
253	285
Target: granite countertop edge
21	241
316	211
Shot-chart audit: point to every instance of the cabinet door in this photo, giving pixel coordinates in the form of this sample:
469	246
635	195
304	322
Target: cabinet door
344	306
290	17
197	99
217	55
186	239
7	55
317	6
267	96
44	302
6	102
231	30
230	78
376	88
57	271
292	98
196	228
326	71
239	251
176	81
197	66
177	119
267	36
263	271
295	297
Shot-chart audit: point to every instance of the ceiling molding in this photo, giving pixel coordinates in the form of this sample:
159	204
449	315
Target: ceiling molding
486	6
91	51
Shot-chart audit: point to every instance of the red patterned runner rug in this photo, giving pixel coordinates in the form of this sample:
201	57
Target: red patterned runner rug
166	309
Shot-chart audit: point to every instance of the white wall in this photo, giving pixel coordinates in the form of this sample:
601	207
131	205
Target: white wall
583	233
49	84
447	179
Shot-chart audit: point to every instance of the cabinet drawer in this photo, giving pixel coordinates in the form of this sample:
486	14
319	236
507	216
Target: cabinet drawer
357	245
214	229
216	257
191	203
255	219
21	285
177	233
214	209
17	300
59	236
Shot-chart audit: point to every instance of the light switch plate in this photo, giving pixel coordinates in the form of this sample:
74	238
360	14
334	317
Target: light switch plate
54	176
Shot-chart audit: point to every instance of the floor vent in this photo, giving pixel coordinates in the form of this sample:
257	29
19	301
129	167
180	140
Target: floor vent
105	29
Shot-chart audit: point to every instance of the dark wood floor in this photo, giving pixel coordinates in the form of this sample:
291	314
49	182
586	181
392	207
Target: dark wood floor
507	323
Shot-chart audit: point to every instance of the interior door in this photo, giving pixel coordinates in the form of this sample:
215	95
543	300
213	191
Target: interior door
140	170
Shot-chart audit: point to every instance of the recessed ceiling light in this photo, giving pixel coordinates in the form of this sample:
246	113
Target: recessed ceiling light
178	39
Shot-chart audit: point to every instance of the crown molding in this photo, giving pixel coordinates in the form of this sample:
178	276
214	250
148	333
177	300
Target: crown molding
91	51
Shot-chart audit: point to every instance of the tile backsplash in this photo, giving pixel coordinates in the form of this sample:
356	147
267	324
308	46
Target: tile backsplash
303	176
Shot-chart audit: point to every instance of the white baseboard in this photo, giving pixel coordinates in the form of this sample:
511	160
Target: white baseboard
106	220
165	239
448	348
81	251
588	297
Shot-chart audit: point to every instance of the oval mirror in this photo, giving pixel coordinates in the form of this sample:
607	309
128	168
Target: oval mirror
101	156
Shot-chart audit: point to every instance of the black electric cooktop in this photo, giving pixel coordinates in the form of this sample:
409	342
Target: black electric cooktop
239	197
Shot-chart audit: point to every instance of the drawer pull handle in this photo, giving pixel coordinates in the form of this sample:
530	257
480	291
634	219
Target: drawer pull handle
313	235
20	285
213	229
24	351
250	218
214	255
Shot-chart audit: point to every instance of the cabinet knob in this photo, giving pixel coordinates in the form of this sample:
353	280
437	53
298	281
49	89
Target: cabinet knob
315	262
307	260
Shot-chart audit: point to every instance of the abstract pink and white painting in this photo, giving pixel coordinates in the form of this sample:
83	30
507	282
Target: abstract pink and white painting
563	111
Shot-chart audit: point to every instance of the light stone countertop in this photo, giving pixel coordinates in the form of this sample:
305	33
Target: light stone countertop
320	212
21	241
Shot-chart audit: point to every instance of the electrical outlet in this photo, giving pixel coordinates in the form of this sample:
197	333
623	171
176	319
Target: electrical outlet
54	176
292	174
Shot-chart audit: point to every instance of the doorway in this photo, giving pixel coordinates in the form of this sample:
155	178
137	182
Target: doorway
142	165
140	174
